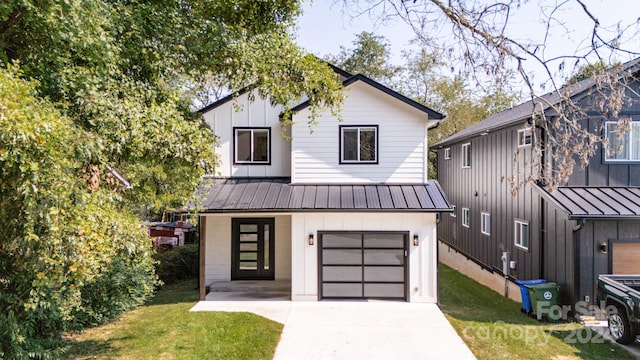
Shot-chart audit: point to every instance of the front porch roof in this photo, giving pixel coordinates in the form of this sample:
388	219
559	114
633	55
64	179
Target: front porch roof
615	203
278	194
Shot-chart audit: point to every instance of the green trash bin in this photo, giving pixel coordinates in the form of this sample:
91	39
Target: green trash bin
544	301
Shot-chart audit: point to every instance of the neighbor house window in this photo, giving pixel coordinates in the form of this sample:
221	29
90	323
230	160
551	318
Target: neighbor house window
252	145
521	235
358	144
525	137
453	213
622	145
447	153
466	155
485	223
465	217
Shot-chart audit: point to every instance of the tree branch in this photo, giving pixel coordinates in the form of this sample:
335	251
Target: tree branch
12	20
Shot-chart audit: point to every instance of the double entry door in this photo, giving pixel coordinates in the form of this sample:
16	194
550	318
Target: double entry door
252	250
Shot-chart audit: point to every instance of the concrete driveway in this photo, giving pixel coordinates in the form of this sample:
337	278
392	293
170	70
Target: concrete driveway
355	329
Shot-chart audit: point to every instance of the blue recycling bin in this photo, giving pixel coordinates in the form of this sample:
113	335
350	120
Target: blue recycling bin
524	293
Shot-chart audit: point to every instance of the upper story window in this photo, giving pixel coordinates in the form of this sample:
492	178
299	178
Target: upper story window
465	217
485	223
466	155
359	144
252	146
447	153
622	146
521	234
525	137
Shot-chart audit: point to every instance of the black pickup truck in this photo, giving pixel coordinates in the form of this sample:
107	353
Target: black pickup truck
619	296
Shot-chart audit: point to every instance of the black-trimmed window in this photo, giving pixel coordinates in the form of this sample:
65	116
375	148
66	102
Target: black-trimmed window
521	234
466	155
359	144
252	146
622	145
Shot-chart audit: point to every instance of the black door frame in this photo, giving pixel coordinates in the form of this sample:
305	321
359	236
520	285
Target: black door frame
406	261
260	273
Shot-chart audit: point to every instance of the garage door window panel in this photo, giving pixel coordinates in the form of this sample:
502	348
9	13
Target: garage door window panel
342	273
384	273
342	290
382	290
373	262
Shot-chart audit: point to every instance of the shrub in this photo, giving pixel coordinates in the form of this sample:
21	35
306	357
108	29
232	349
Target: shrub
180	263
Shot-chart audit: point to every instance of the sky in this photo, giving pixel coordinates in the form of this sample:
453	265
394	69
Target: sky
323	27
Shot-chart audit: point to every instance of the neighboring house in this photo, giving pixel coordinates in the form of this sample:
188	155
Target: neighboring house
343	209
589	226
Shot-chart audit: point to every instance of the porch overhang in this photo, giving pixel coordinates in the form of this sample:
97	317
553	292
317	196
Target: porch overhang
598	203
260	195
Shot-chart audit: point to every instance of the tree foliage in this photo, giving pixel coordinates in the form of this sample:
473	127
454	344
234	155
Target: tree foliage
89	86
370	56
69	256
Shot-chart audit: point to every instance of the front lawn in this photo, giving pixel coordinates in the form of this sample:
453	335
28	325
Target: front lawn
165	329
494	328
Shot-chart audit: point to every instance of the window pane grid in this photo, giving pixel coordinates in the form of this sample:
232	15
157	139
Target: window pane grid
252	146
622	147
359	144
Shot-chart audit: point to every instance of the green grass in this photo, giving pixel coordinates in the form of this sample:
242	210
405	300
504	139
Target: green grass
165	329
494	328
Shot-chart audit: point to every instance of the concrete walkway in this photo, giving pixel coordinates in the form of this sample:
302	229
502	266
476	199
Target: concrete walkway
353	329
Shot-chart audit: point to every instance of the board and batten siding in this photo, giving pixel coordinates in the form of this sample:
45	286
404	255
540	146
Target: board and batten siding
592	260
599	172
485	187
241	112
422	259
402	141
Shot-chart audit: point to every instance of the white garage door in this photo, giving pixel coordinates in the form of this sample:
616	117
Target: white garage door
363	265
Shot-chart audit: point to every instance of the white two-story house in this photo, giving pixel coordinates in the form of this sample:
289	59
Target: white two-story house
343	209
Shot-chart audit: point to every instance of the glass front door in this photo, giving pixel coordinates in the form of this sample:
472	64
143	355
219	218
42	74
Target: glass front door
252	249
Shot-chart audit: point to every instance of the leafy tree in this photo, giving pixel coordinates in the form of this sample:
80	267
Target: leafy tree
89	86
423	78
588	70
370	56
69	256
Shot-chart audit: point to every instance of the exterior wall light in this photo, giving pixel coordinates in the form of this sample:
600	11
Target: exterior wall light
416	240
310	239
603	247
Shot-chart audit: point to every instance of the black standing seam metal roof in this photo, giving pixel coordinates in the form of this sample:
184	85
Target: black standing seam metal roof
524	111
598	202
277	194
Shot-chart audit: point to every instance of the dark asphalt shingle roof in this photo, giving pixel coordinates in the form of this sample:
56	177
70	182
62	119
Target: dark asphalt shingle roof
524	111
277	194
598	202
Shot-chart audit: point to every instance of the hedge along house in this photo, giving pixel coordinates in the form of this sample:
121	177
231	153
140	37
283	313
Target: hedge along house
588	226
343	210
